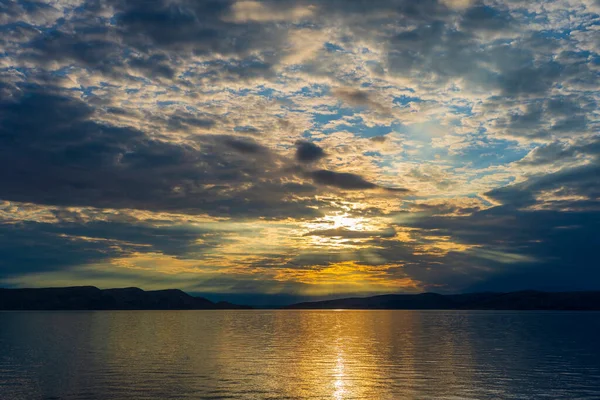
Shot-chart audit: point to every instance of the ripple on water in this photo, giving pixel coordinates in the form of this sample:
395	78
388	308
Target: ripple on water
299	355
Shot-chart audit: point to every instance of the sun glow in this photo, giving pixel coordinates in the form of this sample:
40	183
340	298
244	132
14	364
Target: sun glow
346	221
343	220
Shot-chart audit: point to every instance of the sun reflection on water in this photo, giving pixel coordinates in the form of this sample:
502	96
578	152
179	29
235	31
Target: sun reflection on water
313	355
339	385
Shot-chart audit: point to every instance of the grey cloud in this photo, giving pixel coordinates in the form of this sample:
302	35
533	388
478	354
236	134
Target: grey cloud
247	130
582	181
98	51
548	154
188	121
234	70
435	52
52	251
530	79
379	139
307	152
518	250
157	65
445	209
64	157
60	246
196	26
245	146
341	180
531	119
152	36
347	181
563	106
12	11
555	117
360	98
486	18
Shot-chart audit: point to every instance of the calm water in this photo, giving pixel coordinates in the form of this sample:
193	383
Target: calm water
299	355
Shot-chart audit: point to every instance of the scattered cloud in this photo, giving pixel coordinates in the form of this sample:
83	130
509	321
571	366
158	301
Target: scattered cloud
302	147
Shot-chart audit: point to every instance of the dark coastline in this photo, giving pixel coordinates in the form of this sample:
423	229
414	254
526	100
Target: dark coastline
522	300
92	298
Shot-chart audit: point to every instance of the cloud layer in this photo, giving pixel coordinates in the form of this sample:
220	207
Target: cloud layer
313	148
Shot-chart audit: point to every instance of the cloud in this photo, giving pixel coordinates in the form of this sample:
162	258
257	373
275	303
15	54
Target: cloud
545	250
307	152
347	181
167	131
341	180
458	4
579	184
486	18
379	139
244	11
245	146
360	98
64	157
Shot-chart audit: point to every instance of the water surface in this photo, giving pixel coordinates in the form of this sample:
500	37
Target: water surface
299	355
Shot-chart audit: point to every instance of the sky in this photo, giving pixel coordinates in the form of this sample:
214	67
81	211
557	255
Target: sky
272	151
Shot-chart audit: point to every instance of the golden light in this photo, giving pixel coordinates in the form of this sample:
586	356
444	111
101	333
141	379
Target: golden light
345	221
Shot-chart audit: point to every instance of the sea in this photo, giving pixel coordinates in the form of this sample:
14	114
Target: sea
296	354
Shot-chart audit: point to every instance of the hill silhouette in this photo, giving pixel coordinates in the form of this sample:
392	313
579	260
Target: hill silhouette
92	298
523	300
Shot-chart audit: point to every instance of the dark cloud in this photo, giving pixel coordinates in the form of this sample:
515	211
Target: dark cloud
186	122
307	152
341	180
581	186
550	153
360	98
379	139
234	70
554	117
347	181
544	250
97	51
530	79
63	245
180	25
485	18
64	157
435	52
155	66
13	10
247	130
245	146
30	248
153	37
355	97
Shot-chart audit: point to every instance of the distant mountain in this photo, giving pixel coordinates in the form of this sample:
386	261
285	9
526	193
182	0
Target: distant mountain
525	300
92	298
